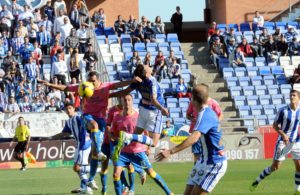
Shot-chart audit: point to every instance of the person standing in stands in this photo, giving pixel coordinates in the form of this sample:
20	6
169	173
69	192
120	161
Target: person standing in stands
22	135
177	22
258	22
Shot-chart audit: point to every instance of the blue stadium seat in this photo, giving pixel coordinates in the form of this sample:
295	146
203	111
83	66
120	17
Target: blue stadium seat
256	80
160	38
277	70
124	74
125	38
240	72
273	89
272	64
165	85
277	99
186	71
110	67
252	100
179	54
244	111
179	120
252	71
222	27
239	101
112	39
249	61
271	119
293	23
249	122
256	110
286	99
281	79
249	38
261	90
175	46
228	72
172	37
264	99
140	47
127	47
234	26
165	81
151	47
260	61
232	81
99	31
101	39
281	25
244	81
245	27
269	25
136	101
269	109
279	107
238	36
183	104
264	70
164	47
248	90
236	91
109	31
262	120
184	100
269	80
128	55
285	89
250	32
175	112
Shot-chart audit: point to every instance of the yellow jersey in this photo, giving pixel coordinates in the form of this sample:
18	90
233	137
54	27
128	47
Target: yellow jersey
22	132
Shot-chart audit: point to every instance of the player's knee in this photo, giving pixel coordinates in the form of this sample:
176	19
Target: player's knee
92	125
116	176
76	168
151	173
275	167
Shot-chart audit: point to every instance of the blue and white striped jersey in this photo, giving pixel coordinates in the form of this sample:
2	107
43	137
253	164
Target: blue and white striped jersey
212	150
288	119
76	127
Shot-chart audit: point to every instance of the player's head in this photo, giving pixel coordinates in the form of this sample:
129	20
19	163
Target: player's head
200	95
127	101
70	109
21	120
140	71
94	77
294	96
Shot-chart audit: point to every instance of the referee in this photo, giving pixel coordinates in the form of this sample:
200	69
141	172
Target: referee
22	136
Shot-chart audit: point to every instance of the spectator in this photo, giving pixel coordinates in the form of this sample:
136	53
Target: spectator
160	57
16	43
25	105
143	22
37	56
294	47
182	89
3	26
217	50
3	49
90	58
16	9
44	40
22	29
74	67
59	5
159	26
290	34
38	104
133	62
47	23
256	48
32	31
37	16
160	70
263	38
149	33
22	90
277	34
25	50
7	61
52	107
131	24
170	58
168	129
3	99
26	15
74	17
282	46
54	49
7	15
147	59
230	36
120	25
39	90
49	11
30	72
59	69
174	71
138	35
258	21
65	30
100	19
230	50
83	37
176	20
246	48
271	53
12	106
72	41
239	59
59	21
211	30
296	76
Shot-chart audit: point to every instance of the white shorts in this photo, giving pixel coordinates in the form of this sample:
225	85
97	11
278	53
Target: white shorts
81	157
282	150
206	176
150	120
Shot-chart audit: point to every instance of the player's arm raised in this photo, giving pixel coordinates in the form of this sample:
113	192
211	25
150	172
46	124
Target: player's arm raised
125	83
154	101
121	93
54	86
193	138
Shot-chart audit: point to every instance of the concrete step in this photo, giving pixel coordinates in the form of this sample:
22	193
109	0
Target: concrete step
229	114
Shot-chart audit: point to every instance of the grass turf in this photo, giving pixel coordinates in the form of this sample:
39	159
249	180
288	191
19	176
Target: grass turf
239	176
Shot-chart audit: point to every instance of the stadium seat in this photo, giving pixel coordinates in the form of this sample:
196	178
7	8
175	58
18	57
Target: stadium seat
179	120
160	38
280	25
110	67
264	70
261	90
293	23
175	46
285	89
273	89
252	71
269	109
179	54
286	100
269	26
222	27
127	47
264	99
249	61
165	85
112	39
151	47
109	31
165	81
235	91
284	61
101	39
277	70
139	47
260	61
289	71
245	27
248	90
281	79
271	119
106	57
175	112
244	111
296	86
252	100
104	48
164	47
256	80
273	63
244	81
295	61
256	110
238	37
234	26
115	48
125	38
128	55
183	105
239	101
261	120
228	72
240	72
279	107
124	74
249	122
172	37
277	99
269	80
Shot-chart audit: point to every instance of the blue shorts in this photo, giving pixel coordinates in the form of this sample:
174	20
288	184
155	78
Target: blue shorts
100	121
107	149
196	148
139	160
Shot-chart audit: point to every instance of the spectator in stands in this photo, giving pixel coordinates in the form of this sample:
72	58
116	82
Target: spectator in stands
39	90
294	47
290	34
176	20
3	26
65	30
16	43
143	22
37	16
22	90
6	40
160	57
3	99
230	50
52	107
149	33
12	106
138	35
131	24
212	29
174	71
90	58
47	23
133	62
74	17
32	31
54	50
256	48
216	35
74	66
170	58
147	59
230	35
26	15
59	5
7	61
59	21
239	58
3	49
38	104
72	41
120	25
16	9
282	46
246	48
100	19
159	26
7	15
160	70
59	69
30	72
37	56
168	129
263	38
271	53
25	105
82	34
217	50
182	89
44	40
258	21
25	50
296	76
49	11
22	29
277	34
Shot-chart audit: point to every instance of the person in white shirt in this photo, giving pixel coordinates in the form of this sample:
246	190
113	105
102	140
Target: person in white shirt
59	5
258	20
46	23
12	106
5	13
26	15
83	37
59	69
65	30
59	21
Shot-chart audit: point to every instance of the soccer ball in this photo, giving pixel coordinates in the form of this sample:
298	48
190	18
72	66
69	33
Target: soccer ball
164	132
86	89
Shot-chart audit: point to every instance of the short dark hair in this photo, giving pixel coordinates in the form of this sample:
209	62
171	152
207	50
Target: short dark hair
295	91
94	73
67	104
140	71
200	94
20	117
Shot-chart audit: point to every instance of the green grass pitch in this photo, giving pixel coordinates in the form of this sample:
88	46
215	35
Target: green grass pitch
236	181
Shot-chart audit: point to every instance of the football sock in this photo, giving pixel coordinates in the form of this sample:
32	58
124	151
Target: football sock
297	181
96	139
93	168
83	179
266	172
85	168
103	177
131	179
123	178
141	139
159	180
118	186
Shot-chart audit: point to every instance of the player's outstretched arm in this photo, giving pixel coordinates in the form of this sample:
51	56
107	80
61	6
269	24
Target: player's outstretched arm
163	110
125	83
285	138
121	93
54	86
186	143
